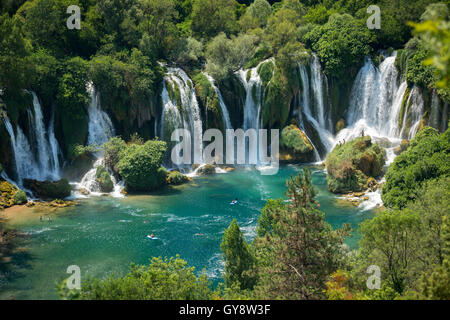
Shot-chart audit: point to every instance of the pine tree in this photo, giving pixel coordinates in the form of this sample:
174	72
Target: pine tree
302	249
239	261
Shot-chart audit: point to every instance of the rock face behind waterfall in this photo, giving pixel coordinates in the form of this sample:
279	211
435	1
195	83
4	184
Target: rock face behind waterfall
350	165
49	190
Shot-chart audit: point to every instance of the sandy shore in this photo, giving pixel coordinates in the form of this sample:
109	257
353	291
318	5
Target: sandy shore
19	214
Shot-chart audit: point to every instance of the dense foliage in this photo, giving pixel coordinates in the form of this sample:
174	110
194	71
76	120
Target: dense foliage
140	166
350	165
162	279
428	157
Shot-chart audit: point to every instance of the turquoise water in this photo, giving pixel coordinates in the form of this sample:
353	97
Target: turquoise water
104	235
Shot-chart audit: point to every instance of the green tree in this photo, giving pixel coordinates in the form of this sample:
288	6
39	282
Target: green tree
434	30
239	261
14	50
224	56
427	158
210	17
140	166
256	15
301	250
162	279
388	241
341	44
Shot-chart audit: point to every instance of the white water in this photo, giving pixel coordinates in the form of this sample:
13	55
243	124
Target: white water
89	183
223	106
253	87
316	120
100	126
100	131
317	80
414	110
40	162
187	115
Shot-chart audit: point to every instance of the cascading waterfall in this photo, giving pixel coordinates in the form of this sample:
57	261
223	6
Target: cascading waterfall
317	80
100	126
100	131
42	161
186	115
252	108
434	116
89	183
24	161
375	101
415	111
318	120
223	106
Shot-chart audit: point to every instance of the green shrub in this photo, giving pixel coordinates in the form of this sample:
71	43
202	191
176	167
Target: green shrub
104	179
140	166
20	197
176	178
426	158
349	166
112	150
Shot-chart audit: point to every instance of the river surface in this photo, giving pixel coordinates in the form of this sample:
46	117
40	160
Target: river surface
103	235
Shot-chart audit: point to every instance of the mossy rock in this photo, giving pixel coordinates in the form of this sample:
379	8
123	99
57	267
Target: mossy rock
349	166
207	169
104	179
7	194
295	146
20	197
402	147
176	178
49	190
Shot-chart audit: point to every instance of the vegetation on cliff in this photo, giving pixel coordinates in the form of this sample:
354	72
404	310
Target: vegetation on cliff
350	165
295	146
427	158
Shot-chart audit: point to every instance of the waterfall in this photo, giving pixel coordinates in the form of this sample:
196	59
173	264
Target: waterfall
318	121
317	79
185	115
373	98
37	157
434	115
415	109
223	106
24	161
444	120
100	131
47	146
90	184
100	126
253	97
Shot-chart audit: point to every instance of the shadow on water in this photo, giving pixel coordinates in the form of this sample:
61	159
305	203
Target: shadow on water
15	259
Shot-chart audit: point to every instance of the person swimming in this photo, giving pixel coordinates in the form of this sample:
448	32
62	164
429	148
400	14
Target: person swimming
234	201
